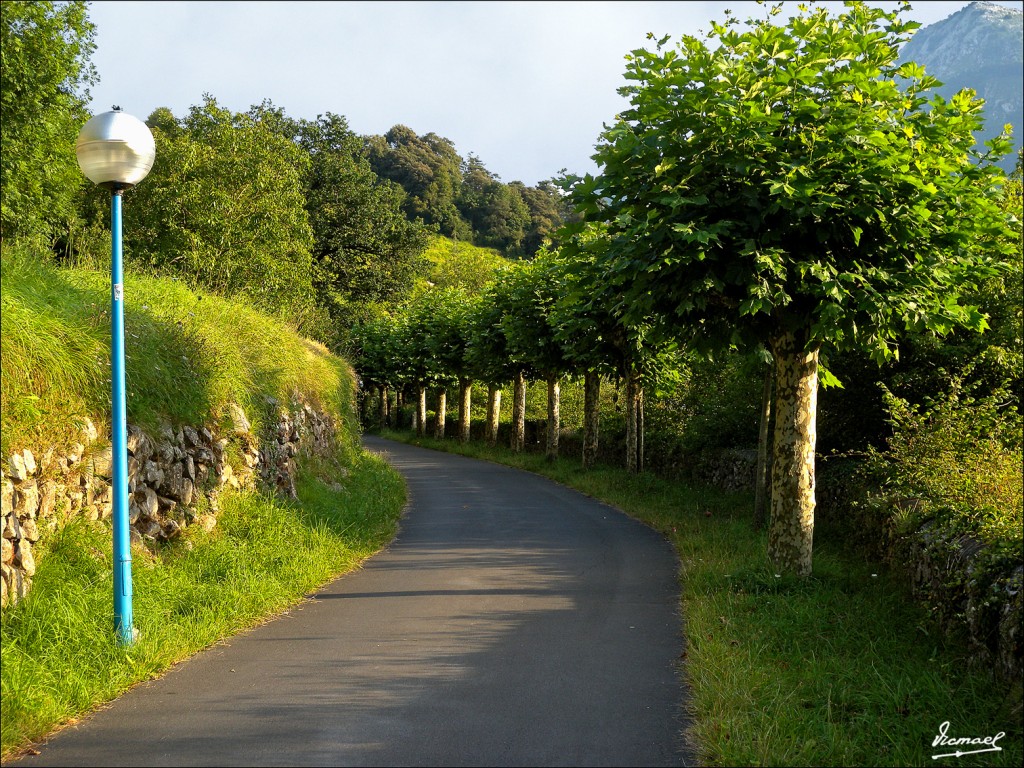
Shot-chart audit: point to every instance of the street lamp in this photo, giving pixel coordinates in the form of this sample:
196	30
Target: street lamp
116	151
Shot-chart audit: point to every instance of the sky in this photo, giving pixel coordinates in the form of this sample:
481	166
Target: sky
525	86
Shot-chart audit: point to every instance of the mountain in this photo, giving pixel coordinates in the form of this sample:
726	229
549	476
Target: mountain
980	47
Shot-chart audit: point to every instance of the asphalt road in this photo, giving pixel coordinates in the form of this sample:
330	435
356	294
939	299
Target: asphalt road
512	622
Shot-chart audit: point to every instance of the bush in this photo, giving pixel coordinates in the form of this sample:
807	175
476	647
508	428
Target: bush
952	505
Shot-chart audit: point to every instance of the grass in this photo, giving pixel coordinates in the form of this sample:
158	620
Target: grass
187	354
59	656
839	669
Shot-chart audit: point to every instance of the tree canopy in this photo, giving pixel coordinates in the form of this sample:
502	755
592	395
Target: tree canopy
794	176
223	207
45	73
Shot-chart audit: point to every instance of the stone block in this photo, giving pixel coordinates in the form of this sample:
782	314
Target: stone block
12	527
148	529
47	498
24	559
6	497
153	474
146	499
239	423
29	531
170	529
103	462
26	499
139	444
16	468
75	455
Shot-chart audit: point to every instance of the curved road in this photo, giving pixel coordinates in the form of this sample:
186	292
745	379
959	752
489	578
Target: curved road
512	622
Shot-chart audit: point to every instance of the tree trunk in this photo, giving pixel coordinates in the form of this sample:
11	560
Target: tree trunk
399	403
554	418
791	530
761	487
640	419
632	423
382	408
390	405
519	412
442	413
421	410
465	413
591	417
493	414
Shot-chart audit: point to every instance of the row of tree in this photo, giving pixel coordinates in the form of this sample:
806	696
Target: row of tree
784	190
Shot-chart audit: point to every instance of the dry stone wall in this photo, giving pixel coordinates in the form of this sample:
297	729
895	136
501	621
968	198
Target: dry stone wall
174	480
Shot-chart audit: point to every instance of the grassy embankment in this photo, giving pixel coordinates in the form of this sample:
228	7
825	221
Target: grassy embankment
840	669
187	356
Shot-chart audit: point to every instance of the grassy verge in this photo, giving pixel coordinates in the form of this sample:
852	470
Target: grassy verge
839	669
187	354
59	657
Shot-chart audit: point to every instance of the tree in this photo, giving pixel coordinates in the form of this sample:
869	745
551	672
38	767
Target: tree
365	249
599	341
223	208
530	291
497	212
374	352
429	170
446	339
548	211
789	185
44	77
493	359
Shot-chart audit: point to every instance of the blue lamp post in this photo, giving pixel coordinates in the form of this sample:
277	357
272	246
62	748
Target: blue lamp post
116	151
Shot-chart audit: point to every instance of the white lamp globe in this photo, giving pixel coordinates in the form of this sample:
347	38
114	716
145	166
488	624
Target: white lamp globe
115	150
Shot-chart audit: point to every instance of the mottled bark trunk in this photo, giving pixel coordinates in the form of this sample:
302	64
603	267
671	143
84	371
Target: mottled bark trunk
421	411
399	403
442	413
791	531
493	414
761	488
465	412
554	424
382	408
519	412
631	422
591	417
639	426
391	405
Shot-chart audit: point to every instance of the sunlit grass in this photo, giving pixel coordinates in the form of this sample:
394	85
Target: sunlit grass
187	355
843	668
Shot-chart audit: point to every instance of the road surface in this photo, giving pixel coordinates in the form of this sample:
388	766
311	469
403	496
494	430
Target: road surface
512	622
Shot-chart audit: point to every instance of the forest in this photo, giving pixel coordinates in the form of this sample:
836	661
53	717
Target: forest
736	253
